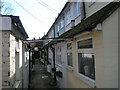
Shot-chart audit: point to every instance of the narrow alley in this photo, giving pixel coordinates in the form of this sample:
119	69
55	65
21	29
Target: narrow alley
40	78
78	50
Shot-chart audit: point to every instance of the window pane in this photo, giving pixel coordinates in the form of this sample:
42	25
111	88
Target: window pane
69	58
68	17
85	44
86	65
77	8
58	55
69	46
62	23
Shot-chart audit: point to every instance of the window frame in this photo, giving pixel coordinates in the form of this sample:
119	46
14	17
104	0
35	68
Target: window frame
81	76
68	16
58	50
77	6
69	51
69	67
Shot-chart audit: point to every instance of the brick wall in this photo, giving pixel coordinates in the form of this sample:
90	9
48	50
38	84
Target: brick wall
5	59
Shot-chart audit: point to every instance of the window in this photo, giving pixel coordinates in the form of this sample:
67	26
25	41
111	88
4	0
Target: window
68	17
58	55
62	23
85	44
69	55
58	28
86	62
77	8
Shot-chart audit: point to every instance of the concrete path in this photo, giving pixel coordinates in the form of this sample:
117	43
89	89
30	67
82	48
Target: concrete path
40	78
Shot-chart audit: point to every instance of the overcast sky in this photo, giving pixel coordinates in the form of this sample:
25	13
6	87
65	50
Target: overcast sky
37	16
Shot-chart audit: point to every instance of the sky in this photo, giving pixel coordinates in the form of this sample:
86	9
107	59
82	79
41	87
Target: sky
37	16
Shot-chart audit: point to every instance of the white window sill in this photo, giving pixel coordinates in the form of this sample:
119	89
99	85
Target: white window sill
70	68
85	79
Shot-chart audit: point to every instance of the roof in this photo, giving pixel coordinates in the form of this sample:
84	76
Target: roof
89	23
16	19
59	15
20	26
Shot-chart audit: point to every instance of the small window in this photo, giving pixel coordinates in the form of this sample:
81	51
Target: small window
69	55
69	58
62	23
85	44
68	17
58	55
69	46
77	9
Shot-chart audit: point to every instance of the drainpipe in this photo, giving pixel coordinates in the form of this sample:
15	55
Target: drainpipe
54	68
54	83
47	55
30	65
84	11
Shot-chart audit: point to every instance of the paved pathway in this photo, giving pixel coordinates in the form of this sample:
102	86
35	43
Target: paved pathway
40	78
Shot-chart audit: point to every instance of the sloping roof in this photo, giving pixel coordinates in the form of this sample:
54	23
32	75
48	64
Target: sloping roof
20	26
15	19
59	15
89	23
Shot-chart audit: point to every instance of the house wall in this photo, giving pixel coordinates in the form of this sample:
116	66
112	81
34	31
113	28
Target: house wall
105	44
25	67
62	67
0	60
11	58
92	7
105	47
106	51
5	59
73	78
15	61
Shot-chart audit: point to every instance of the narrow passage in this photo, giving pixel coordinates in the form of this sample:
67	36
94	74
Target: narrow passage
40	78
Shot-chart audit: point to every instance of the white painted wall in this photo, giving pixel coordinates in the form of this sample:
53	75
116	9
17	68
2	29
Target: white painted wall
25	67
92	7
106	53
0	60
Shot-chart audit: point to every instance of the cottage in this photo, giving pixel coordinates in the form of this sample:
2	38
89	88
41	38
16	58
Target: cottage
14	61
85	42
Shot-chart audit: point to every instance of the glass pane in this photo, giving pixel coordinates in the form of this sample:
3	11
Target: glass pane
86	65
69	46
85	44
69	58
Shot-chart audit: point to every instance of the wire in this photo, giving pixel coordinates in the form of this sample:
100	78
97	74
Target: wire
31	14
47	6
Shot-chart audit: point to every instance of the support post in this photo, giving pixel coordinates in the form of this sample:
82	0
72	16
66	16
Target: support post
54	83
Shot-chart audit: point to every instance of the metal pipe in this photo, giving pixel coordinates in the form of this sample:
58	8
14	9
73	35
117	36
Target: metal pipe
30	65
54	83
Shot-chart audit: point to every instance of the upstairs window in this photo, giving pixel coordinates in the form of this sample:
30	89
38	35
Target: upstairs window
68	17
62	23
77	7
